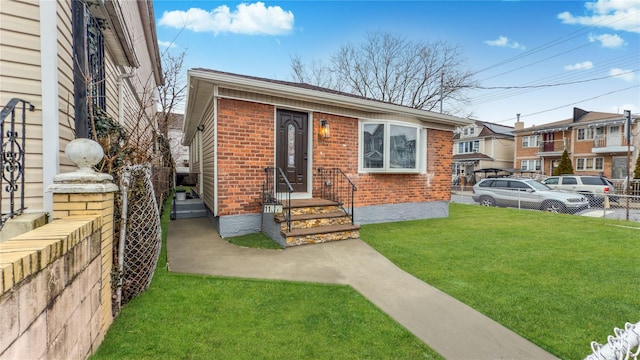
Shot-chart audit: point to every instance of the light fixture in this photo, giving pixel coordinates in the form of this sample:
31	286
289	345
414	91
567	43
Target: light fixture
200	128
324	132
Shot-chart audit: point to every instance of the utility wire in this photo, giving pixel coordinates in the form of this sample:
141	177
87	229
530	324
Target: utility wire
553	85
573	103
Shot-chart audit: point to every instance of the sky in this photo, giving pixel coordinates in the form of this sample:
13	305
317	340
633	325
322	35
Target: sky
539	59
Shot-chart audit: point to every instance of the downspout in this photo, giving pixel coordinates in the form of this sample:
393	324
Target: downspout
201	162
121	77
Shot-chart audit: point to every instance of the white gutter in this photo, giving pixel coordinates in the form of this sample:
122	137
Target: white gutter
121	95
253	84
49	92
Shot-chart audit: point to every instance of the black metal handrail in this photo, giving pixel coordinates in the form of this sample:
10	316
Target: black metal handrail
336	186
12	138
276	191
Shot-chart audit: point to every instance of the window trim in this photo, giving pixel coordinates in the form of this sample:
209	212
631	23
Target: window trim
537	164
594	163
529	138
474	149
421	148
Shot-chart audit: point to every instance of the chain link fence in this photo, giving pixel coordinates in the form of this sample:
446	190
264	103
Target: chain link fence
137	244
608	207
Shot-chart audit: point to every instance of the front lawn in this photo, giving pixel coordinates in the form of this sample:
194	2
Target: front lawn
561	281
204	317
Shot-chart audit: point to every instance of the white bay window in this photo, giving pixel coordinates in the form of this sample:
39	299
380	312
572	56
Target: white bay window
391	147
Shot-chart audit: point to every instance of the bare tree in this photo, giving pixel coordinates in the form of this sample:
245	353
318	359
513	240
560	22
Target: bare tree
173	92
391	68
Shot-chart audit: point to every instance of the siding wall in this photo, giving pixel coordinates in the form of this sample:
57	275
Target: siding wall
20	74
208	159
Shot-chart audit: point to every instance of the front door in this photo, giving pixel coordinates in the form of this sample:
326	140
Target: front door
619	168
614	137
547	140
292	147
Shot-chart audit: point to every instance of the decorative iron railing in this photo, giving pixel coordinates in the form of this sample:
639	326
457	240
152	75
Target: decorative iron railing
623	346
12	138
336	186
276	191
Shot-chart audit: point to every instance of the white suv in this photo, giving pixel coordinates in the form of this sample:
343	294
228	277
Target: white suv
593	187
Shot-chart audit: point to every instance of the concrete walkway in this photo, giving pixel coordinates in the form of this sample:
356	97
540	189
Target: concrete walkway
450	327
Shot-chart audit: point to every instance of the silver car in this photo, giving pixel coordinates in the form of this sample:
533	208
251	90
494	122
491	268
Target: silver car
527	194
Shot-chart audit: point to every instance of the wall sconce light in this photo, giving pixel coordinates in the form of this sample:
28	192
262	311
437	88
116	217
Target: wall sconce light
200	127
324	132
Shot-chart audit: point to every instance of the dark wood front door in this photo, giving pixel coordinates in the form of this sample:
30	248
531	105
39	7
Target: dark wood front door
291	147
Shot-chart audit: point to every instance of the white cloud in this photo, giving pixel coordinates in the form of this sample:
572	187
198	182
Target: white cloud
252	19
607	40
619	15
166	44
503	41
585	65
626	75
619	109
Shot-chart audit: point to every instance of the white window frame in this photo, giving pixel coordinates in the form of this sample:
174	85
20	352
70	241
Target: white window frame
469	147
590	164
529	140
524	164
421	148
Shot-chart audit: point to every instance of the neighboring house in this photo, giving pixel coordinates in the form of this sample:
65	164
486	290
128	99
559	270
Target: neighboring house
481	146
595	142
65	58
398	158
179	152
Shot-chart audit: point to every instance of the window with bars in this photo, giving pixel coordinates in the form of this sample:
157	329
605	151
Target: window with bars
89	88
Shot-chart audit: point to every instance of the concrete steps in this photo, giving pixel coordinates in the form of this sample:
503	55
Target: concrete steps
316	221
189	208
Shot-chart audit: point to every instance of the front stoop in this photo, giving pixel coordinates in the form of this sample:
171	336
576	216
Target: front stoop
316	221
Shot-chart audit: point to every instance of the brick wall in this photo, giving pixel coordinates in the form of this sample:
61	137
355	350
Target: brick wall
51	283
245	136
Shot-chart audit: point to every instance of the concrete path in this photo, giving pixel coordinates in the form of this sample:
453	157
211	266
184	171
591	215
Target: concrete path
450	327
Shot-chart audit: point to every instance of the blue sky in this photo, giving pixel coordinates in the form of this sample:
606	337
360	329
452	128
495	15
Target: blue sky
593	46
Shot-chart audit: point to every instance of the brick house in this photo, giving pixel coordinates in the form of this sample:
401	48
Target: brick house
481	146
595	142
241	130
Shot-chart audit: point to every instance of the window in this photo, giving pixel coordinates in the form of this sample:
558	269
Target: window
468	147
530	141
530	165
587	164
589	133
88	67
390	147
569	181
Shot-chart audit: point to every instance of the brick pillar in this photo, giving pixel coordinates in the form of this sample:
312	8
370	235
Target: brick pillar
87	192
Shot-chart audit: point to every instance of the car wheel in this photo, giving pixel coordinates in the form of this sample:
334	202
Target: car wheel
554	207
487	201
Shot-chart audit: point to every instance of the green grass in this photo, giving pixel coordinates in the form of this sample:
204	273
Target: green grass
200	317
561	281
257	240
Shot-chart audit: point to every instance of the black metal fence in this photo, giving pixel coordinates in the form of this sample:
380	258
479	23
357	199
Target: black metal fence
12	137
333	184
276	192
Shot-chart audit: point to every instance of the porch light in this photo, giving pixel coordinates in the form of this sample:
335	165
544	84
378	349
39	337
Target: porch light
324	132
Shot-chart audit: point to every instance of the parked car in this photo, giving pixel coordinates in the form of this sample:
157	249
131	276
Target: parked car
527	193
593	187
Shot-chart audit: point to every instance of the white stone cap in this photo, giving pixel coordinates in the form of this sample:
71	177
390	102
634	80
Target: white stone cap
85	153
